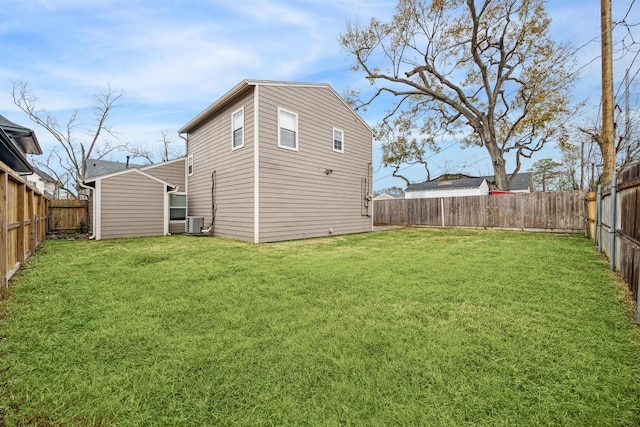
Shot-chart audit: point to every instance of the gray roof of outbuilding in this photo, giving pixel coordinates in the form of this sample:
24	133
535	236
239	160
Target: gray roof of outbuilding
103	167
520	182
447	184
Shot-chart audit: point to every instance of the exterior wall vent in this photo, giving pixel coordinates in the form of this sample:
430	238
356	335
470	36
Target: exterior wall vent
194	225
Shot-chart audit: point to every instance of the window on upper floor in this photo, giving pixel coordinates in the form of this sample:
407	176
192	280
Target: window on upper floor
338	140
237	129
287	129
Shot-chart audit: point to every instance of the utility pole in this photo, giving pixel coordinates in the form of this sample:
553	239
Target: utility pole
608	147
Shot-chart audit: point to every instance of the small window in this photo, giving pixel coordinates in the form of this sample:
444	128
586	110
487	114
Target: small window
177	206
237	129
190	165
287	129
338	140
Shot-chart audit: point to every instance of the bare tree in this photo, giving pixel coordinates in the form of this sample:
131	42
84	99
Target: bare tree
486	72
72	152
168	150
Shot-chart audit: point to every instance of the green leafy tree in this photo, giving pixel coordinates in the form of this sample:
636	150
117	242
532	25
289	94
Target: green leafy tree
394	191
546	174
484	72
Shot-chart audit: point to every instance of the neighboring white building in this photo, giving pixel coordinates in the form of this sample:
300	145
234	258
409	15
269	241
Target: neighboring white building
463	185
44	182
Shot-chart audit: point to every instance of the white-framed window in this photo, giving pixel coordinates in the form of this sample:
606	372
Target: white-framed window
287	129
190	165
177	206
338	140
237	129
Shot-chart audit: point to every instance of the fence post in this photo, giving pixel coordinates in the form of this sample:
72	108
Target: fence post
612	228
586	215
598	232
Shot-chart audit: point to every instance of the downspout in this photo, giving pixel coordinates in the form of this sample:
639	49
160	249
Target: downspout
93	217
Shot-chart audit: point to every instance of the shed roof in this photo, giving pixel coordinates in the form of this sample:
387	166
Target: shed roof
97	167
447	184
520	182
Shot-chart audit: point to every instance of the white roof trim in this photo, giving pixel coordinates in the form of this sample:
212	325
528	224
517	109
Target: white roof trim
133	170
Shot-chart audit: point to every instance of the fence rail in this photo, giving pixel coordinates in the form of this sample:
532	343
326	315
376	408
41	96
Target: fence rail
564	211
23	211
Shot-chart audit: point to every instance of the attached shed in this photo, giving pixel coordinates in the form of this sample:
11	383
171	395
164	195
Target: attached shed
136	202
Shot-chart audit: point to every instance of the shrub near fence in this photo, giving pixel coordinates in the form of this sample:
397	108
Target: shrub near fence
564	211
23	211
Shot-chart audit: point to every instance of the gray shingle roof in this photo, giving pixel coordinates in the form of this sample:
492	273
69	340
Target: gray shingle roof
103	167
447	184
520	182
45	176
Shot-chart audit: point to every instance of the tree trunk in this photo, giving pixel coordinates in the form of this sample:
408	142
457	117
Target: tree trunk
497	161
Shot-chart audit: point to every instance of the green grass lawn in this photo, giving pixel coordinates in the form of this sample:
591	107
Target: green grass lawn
408	327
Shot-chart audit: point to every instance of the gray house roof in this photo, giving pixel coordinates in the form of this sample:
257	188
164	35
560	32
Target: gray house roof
447	184
45	176
103	167
520	182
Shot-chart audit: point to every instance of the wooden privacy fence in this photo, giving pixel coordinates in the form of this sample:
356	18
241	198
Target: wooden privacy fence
67	216
564	211
23	211
617	226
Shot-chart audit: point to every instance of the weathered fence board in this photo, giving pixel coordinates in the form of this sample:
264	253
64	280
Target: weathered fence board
625	227
68	216
540	211
23	211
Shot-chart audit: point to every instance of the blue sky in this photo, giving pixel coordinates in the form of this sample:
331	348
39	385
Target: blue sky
174	58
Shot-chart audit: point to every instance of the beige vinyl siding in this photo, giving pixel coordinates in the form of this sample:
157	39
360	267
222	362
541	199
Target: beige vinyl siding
297	198
176	227
172	172
132	205
210	145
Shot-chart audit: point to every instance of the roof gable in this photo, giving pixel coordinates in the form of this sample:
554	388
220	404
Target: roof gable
128	171
244	85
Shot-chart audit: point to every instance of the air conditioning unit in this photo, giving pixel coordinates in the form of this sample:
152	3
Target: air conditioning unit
194	225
